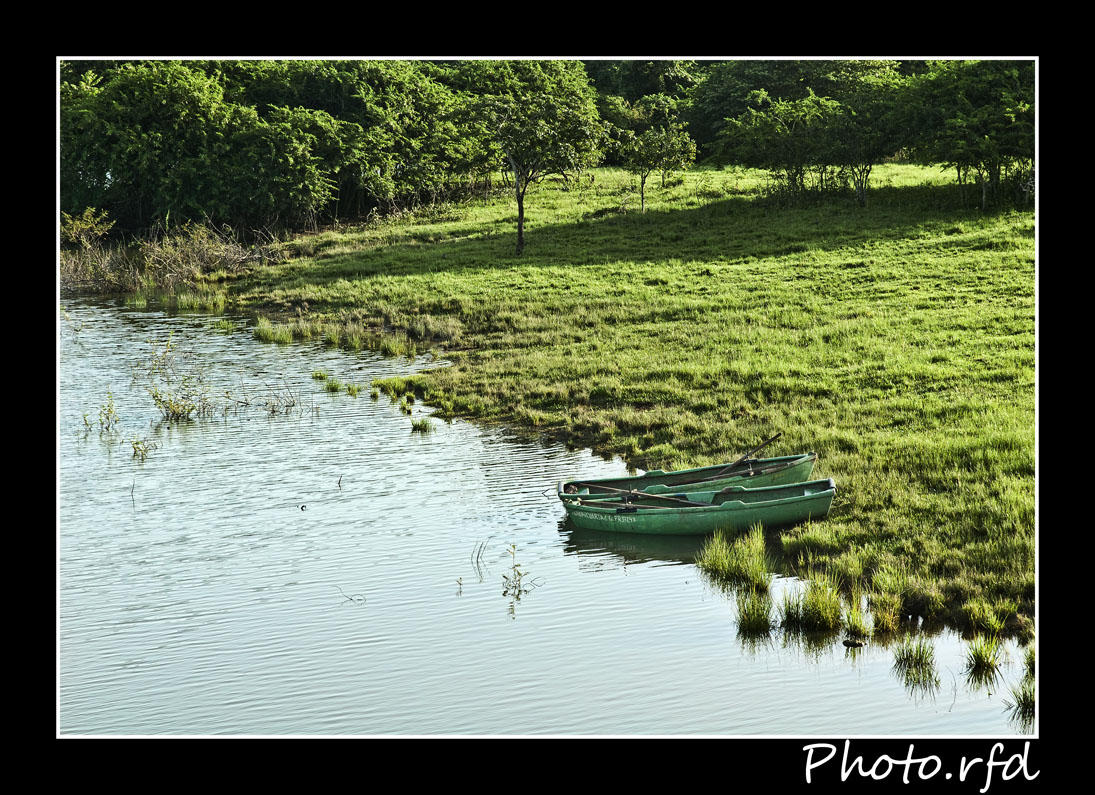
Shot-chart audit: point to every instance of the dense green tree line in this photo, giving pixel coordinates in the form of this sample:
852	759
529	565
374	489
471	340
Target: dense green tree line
290	144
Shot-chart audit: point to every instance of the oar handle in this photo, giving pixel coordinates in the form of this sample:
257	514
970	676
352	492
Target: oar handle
756	449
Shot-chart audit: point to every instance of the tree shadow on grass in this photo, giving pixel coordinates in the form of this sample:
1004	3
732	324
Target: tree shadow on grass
733	229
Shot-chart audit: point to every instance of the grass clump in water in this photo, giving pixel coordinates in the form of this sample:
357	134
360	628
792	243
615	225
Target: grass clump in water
914	662
885	611
743	561
983	660
855	623
332	385
267	331
754	611
818	608
422	425
1021	707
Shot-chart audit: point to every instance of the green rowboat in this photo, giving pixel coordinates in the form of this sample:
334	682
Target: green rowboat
750	472
733	508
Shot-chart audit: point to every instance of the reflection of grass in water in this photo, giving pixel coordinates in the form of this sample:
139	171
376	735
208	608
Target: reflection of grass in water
811	644
1021	707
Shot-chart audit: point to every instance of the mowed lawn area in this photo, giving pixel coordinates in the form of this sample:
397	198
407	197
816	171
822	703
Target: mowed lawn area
896	340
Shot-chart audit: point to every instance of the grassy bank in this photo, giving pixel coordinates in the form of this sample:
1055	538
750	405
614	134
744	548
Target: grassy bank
896	340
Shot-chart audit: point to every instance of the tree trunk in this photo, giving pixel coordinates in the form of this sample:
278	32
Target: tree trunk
642	192
520	221
519	186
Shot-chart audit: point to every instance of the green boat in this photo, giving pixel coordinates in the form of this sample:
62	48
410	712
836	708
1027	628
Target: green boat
750	472
732	509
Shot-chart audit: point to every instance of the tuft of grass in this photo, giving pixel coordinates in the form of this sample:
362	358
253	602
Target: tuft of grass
742	561
320	375
790	612
885	611
914	662
353	389
817	608
855	623
421	425
332	385
983	656
754	611
267	331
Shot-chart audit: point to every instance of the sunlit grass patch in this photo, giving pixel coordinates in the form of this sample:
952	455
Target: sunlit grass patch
267	331
741	560
885	609
754	611
914	662
983	655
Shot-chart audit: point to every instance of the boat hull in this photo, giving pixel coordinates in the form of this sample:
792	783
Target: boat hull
698	513
756	473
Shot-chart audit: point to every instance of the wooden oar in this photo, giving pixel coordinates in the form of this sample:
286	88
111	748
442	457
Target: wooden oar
634	492
678	500
751	452
631	506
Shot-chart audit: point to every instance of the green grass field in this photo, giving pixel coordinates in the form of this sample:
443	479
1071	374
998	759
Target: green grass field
897	341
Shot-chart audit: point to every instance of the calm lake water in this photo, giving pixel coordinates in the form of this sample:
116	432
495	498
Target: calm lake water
321	570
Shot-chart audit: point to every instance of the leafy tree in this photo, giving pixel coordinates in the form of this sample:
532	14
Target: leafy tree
665	148
126	136
978	118
867	128
786	137
542	121
633	80
726	90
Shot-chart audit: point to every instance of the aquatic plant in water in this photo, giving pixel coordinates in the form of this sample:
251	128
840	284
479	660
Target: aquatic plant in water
983	660
1021	706
914	662
754	611
516	582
